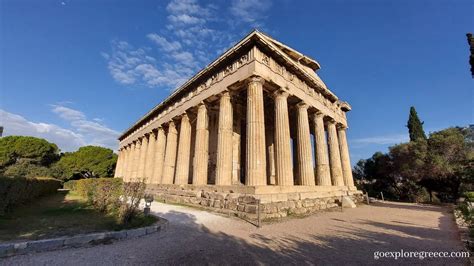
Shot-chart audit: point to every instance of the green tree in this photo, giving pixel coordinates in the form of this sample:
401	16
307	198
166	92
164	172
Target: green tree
449	162
415	126
87	162
22	154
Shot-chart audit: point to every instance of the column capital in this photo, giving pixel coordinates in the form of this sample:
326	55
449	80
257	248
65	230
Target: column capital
281	92
341	126
202	104
331	121
224	93
318	115
302	105
183	115
256	79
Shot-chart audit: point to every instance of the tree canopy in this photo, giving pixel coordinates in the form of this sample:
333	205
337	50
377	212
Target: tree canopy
413	171
26	150
415	126
87	162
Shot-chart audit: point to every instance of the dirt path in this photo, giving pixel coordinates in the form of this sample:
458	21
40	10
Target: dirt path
352	236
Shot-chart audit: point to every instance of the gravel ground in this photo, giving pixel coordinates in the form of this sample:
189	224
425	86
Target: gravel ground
348	237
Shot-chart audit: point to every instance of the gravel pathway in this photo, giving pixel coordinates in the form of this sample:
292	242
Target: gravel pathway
349	237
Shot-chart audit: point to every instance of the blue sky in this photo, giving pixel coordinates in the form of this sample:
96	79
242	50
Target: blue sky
81	72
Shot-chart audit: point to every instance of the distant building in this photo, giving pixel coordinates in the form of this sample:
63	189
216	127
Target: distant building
1	131
470	41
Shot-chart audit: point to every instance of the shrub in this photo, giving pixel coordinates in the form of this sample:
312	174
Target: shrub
111	195
133	192
15	191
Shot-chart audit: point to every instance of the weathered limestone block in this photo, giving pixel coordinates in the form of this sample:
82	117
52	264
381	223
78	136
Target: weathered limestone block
347	202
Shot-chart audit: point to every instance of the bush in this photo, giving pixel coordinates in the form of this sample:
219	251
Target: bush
95	189
111	195
15	191
133	193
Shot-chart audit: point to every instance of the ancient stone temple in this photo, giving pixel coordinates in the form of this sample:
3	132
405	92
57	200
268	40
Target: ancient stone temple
256	127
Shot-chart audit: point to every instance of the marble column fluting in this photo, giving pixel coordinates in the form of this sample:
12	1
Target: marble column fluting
201	150
334	155
136	157
150	158
283	163
170	154
184	149
345	159
323	175
224	141
305	159
118	163
160	147
142	160
128	170
255	142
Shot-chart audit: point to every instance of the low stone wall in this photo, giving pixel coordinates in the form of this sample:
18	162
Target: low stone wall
12	249
246	202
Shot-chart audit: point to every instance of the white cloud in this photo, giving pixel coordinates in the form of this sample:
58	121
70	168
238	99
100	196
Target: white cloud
81	132
94	132
382	140
188	42
164	43
250	11
66	139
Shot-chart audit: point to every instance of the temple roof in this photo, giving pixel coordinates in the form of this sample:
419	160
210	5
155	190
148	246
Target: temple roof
303	64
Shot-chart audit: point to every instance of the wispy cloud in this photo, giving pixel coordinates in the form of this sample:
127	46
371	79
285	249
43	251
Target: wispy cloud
250	11
15	124
382	140
194	34
93	132
81	131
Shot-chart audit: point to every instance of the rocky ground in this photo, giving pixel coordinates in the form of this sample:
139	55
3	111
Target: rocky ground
334	237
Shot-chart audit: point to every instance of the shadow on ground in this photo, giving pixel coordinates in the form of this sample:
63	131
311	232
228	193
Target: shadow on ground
348	244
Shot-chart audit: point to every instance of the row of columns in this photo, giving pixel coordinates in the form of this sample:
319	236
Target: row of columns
164	158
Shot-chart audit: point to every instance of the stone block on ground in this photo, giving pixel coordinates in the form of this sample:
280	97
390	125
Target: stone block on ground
347	202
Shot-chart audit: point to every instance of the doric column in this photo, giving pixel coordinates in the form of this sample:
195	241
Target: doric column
136	157
305	159
184	149
150	158
224	141
201	148
170	154
323	176
118	167
124	162
128	167
284	169
345	159
142	160
159	155
128	163
255	142
334	155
